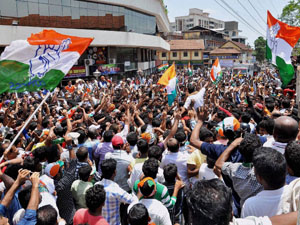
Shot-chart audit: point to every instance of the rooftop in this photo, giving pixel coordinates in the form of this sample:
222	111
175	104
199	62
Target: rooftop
186	44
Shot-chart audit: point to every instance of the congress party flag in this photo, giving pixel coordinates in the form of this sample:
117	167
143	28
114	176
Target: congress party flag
216	72
163	67
168	79
40	62
281	39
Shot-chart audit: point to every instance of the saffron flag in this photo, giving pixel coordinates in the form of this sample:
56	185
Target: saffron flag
168	79
216	72
281	39
40	62
190	72
163	67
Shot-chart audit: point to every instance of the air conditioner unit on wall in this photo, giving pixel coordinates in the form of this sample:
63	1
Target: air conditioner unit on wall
88	62
112	61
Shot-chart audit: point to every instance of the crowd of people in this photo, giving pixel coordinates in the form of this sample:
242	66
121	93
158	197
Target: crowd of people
114	152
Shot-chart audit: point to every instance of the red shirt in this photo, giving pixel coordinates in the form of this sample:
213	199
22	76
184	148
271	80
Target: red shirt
82	216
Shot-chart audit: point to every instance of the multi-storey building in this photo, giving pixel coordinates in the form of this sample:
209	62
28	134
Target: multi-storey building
124	31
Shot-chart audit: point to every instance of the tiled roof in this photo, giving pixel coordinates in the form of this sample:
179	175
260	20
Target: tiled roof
186	44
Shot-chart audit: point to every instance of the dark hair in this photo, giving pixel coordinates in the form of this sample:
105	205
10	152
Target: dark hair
114	128
170	172
138	215
24	196
191	88
132	138
45	123
246	117
82	136
270	165
95	197
222	115
150	168
82	154
108	167
46	215
40	153
155	152
292	157
248	145
268	125
180	136
108	135
84	172
210	162
210	202
142	146
12	170
156	122
52	154
173	147
205	133
286	103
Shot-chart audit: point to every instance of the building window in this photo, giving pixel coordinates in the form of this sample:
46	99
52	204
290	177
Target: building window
185	54
174	54
196	54
164	55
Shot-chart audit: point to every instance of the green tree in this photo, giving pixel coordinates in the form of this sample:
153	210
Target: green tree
260	49
291	13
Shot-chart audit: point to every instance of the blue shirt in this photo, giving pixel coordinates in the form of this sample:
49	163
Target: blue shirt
28	219
214	151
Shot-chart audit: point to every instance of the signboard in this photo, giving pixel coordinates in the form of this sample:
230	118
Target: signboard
127	63
226	63
109	69
99	54
76	71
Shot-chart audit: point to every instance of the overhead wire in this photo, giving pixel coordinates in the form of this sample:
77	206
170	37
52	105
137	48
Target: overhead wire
264	21
241	18
251	15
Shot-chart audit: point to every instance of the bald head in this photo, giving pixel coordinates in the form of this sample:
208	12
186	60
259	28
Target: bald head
173	145
286	129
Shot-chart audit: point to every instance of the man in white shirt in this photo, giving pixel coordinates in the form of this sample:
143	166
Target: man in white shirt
270	171
285	130
176	157
123	161
197	97
157	211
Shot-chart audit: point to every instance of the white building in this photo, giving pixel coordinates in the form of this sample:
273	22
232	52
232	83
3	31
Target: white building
124	31
196	17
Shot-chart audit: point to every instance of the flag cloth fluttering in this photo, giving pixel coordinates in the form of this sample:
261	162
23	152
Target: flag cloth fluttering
281	39
40	62
190	72
168	79
163	67
216	72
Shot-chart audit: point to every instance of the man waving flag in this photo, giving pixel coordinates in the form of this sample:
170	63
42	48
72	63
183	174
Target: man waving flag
281	39
168	79
190	72
216	72
40	62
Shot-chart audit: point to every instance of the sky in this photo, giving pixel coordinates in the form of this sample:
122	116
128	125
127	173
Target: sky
181	8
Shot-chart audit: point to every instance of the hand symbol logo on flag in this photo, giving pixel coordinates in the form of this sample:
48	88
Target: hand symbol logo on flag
46	56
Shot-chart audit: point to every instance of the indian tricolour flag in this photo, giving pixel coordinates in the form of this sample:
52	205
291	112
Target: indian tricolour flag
168	79
40	62
281	39
216	72
163	67
190	72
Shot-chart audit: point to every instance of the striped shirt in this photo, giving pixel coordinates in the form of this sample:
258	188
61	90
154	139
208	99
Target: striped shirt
162	195
114	197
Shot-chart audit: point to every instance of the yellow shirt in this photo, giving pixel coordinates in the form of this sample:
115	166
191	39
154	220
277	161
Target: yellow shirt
196	158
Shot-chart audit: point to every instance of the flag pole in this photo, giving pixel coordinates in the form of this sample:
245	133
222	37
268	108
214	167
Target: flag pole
28	120
298	90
